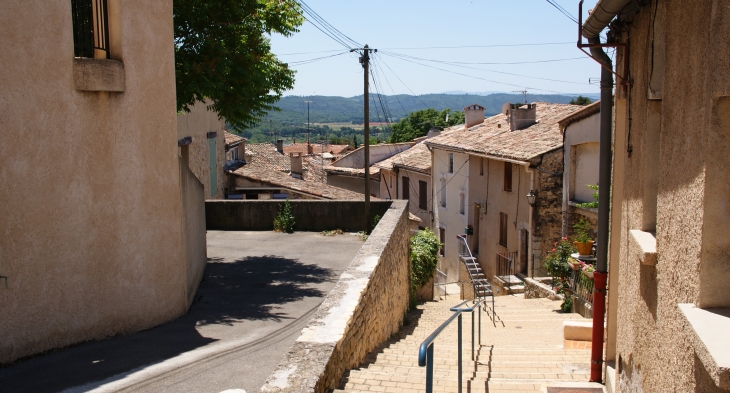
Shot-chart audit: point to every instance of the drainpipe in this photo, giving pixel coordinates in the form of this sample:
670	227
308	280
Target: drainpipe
604	180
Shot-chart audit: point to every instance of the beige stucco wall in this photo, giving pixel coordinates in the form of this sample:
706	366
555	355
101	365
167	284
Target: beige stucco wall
685	154
352	183
449	217
91	232
394	190
196	124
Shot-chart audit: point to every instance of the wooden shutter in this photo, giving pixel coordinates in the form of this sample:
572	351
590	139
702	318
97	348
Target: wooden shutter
406	188
508	176
422	195
503	229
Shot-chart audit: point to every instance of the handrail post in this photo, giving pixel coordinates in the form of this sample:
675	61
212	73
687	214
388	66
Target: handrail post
429	369
459	367
480	326
472	335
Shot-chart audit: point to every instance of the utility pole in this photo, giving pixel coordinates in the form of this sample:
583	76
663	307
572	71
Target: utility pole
365	61
307	121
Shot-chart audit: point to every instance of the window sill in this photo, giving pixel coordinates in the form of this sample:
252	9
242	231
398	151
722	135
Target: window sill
645	245
707	330
98	75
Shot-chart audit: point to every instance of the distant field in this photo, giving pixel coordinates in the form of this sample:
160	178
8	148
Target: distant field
338	126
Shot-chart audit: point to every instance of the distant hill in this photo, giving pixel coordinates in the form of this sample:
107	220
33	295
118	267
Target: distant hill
326	109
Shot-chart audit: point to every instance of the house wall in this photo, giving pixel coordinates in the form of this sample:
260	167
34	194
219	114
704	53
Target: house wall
449	217
513	203
356	159
91	236
672	163
413	205
356	184
580	163
196	124
388	188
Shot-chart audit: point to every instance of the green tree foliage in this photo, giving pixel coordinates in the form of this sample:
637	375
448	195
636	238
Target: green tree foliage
418	123
425	247
580	100
222	53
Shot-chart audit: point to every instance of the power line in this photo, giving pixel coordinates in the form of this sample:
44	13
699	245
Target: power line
401	81
302	62
484	63
483	46
484	79
322	25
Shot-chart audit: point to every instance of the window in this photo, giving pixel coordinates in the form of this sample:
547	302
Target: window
462	202
422	195
503	229
481	166
508	176
442	191
392	180
213	167
232	154
90	28
406	192
442	237
451	162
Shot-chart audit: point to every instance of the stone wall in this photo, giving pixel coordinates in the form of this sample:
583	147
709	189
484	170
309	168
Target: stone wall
366	306
548	219
536	290
315	216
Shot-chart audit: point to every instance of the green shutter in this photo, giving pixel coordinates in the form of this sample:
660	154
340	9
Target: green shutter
213	167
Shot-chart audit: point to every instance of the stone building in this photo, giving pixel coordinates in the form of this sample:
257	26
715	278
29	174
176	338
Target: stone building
102	230
482	173
200	134
669	255
348	172
407	175
580	163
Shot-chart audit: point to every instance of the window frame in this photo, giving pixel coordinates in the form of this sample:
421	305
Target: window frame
507	176
451	162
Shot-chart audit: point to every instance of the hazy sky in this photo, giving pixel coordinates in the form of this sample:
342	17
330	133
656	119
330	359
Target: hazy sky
404	27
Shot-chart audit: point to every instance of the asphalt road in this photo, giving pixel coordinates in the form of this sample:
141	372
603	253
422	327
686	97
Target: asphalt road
258	292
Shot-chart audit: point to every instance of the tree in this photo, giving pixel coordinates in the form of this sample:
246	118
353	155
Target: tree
580	100
418	123
222	54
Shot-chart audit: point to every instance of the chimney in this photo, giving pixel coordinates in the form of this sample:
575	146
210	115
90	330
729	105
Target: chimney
473	115
280	146
521	118
296	164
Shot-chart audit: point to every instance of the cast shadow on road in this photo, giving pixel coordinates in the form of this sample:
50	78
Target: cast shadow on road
251	288
254	288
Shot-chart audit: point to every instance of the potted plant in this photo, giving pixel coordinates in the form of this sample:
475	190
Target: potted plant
588	271
582	240
574	263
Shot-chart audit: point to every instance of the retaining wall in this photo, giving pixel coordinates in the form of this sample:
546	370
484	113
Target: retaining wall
365	307
314	216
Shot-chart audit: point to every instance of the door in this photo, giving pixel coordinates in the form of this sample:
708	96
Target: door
524	249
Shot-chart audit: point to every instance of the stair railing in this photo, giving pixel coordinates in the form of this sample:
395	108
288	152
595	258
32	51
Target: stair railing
426	349
482	287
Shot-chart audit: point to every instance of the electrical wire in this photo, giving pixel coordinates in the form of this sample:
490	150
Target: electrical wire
302	62
484	79
325	27
482	63
482	46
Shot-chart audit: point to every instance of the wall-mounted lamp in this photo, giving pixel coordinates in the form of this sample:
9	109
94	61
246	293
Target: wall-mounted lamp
531	198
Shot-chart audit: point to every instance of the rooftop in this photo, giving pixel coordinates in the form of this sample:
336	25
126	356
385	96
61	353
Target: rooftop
279	179
233	139
493	137
316	148
265	155
417	158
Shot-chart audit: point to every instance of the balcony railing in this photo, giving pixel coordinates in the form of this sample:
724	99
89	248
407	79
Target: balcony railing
582	287
90	28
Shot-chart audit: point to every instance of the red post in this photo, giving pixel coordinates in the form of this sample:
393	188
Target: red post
599	310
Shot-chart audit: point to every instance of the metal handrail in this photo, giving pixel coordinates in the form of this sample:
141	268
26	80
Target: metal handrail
425	350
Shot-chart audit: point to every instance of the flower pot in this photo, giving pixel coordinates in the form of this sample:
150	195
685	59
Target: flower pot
574	266
584	248
588	274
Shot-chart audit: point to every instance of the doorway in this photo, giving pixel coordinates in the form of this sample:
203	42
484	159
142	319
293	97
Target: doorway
524	250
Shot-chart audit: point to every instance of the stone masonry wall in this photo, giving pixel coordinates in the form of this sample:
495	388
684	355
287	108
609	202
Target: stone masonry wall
366	306
549	204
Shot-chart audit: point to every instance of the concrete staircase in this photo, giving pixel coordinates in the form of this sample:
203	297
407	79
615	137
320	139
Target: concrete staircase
510	285
524	352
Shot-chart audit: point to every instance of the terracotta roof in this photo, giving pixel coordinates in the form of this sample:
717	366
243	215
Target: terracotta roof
233	139
265	155
360	172
588	110
278	179
521	145
316	148
417	158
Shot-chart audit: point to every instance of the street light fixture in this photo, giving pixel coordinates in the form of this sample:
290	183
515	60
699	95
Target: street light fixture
531	198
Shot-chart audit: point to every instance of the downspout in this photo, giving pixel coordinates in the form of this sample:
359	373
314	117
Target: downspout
604	180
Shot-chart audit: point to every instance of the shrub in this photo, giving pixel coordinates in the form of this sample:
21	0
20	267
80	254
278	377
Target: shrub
425	248
556	264
284	221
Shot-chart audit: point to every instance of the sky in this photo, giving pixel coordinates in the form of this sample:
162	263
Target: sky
431	33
